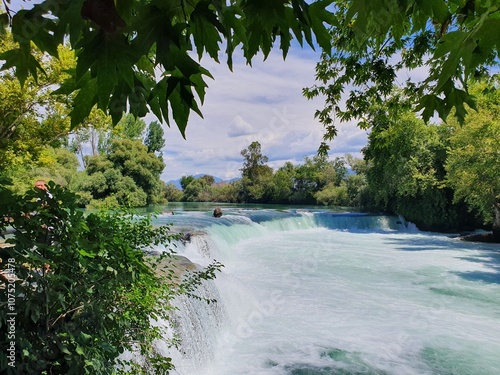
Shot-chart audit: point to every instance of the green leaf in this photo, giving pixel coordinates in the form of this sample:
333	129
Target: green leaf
118	102
146	65
87	55
4	22
23	61
64	349
46	41
68	86
180	109
319	18
70	20
125	71
205	28
85	253
106	73
158	100
84	101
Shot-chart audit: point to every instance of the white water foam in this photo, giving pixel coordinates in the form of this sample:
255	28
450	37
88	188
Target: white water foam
309	299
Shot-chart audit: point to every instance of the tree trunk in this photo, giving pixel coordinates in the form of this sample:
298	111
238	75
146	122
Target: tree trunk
496	221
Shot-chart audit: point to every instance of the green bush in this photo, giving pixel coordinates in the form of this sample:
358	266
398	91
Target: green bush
84	290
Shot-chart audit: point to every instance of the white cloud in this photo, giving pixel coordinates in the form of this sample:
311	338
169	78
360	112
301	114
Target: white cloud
260	103
240	127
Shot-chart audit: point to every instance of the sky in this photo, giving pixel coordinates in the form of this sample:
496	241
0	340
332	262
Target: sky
261	103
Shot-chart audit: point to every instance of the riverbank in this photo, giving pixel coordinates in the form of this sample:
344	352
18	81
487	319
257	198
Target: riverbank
481	237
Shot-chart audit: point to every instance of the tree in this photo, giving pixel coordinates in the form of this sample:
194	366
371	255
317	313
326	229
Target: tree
378	42
172	193
56	164
132	159
283	184
94	131
210	180
225	192
315	174
254	161
30	118
256	174
406	174
474	157
154	138
196	188
185	181
128	175
333	195
122	45
129	127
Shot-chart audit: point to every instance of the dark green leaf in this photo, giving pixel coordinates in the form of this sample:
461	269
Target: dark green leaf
84	101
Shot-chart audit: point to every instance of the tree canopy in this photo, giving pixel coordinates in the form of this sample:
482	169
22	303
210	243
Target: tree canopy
136	55
474	157
429	48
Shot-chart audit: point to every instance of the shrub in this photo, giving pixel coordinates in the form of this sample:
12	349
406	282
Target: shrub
85	290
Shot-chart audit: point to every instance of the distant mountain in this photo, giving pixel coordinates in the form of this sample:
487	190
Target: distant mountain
217	180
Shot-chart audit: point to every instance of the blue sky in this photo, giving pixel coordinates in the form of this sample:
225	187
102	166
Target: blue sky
261	103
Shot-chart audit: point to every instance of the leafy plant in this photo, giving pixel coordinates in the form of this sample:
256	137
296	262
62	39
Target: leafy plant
85	291
431	49
122	46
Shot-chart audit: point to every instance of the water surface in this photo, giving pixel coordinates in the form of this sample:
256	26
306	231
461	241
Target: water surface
310	292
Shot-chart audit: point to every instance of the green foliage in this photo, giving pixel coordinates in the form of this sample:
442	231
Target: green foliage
210	180
121	45
315	174
378	41
129	127
127	176
57	164
254	161
225	192
283	184
473	159
94	130
23	134
318	180
133	160
172	193
186	180
204	189
332	195
154	137
195	190
257	175
406	174
85	290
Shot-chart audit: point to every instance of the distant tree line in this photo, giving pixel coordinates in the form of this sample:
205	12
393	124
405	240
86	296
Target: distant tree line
317	181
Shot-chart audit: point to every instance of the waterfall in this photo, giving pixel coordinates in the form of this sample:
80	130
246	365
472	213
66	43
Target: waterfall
196	323
316	291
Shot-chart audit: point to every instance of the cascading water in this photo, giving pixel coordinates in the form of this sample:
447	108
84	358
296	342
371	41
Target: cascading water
316	292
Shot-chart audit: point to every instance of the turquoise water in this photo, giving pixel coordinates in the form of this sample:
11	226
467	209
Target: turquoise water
310	292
